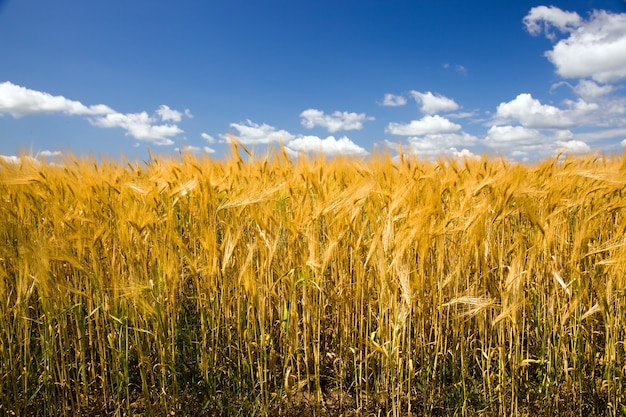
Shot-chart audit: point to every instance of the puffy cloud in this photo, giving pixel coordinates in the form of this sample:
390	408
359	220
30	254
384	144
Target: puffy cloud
207	137
250	133
529	112
140	126
394	100
463	153
21	101
594	47
523	143
589	90
434	103
328	146
50	154
10	159
426	125
442	144
196	150
517	142
541	18
500	137
15	160
573	146
166	114
333	122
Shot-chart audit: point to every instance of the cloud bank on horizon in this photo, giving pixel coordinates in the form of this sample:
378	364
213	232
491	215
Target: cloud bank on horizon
588	54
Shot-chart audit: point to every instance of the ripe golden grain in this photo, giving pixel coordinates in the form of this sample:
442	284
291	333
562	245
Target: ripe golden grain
267	285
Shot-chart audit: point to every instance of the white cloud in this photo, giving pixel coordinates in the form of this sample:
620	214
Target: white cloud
140	126
602	135
434	103
250	133
594	47
573	146
166	114
506	136
11	159
589	90
207	137
623	143
394	100
517	141
14	159
458	68
333	122
196	150
541	18
580	108
50	154
597	106
462	115
426	125
21	101
328	146
523	143
463	153
442	144
529	112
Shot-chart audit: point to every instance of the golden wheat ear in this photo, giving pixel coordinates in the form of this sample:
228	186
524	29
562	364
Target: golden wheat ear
269	286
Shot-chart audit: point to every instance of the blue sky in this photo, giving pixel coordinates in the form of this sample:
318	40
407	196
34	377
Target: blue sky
522	79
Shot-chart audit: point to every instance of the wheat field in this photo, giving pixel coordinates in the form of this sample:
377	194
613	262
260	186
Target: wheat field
276	287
